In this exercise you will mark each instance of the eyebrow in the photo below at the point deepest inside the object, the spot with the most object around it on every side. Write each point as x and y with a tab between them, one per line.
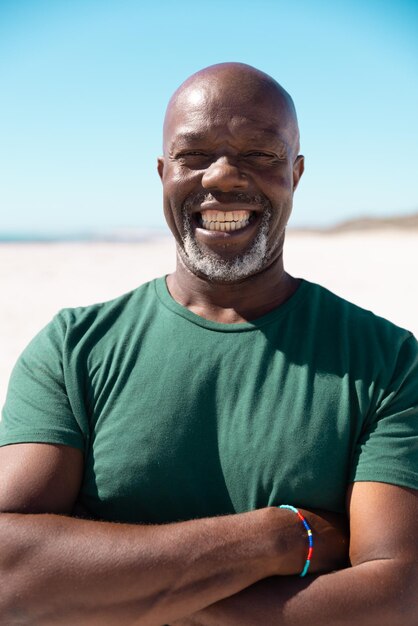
189	136
196	137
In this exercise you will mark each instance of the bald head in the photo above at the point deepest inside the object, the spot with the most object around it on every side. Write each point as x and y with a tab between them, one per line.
236	85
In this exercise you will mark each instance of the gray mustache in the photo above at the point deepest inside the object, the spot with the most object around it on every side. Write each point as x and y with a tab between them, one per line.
227	198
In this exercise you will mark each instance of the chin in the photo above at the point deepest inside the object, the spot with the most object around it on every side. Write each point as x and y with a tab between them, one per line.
215	268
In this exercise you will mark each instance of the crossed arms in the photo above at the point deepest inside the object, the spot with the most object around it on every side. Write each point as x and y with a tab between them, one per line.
59	570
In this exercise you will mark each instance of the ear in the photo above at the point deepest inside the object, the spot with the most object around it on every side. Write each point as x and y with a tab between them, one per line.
160	166
298	169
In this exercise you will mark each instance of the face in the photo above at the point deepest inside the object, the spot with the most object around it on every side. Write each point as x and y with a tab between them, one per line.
229	172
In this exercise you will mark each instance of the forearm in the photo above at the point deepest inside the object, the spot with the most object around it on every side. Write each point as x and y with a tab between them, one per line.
57	570
378	592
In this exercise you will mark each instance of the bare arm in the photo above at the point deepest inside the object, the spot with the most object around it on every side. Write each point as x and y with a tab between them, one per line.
379	588
57	570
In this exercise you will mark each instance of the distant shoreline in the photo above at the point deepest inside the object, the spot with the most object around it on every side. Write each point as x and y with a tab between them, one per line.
139	235
127	235
401	222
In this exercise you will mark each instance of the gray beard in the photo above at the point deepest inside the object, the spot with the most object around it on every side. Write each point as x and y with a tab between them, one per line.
218	269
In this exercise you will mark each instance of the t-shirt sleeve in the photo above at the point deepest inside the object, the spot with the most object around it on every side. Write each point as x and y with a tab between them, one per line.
387	450
37	408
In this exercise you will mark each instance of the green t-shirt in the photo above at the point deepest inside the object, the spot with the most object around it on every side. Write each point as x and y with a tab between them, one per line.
180	417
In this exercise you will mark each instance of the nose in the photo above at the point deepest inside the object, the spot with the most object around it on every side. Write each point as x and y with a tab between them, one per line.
224	175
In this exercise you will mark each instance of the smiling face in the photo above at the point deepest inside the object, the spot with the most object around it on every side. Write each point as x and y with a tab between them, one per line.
229	170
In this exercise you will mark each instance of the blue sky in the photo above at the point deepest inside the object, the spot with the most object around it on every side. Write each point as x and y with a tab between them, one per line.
84	85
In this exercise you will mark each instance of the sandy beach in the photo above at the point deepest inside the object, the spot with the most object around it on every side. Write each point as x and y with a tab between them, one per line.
374	269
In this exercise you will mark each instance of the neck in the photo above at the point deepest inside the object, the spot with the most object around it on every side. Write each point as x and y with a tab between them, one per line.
232	303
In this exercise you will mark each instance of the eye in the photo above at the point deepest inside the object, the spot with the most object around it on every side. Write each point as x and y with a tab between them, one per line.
260	159
191	153
193	159
259	154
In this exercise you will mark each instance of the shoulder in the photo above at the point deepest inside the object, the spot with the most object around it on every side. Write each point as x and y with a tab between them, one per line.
97	320
341	315
75	329
120	306
349	339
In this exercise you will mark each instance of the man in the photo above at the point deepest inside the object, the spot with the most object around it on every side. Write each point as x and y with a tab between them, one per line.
191	409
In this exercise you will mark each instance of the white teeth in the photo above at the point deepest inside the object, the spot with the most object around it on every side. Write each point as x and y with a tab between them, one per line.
210	215
225	226
225	221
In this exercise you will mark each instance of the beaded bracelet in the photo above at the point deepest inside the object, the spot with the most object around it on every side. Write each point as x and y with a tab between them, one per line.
310	537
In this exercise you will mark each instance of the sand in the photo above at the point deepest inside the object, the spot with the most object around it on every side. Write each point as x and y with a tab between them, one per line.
376	270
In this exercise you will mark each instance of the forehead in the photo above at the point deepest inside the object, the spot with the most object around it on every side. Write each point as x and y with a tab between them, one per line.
205	111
